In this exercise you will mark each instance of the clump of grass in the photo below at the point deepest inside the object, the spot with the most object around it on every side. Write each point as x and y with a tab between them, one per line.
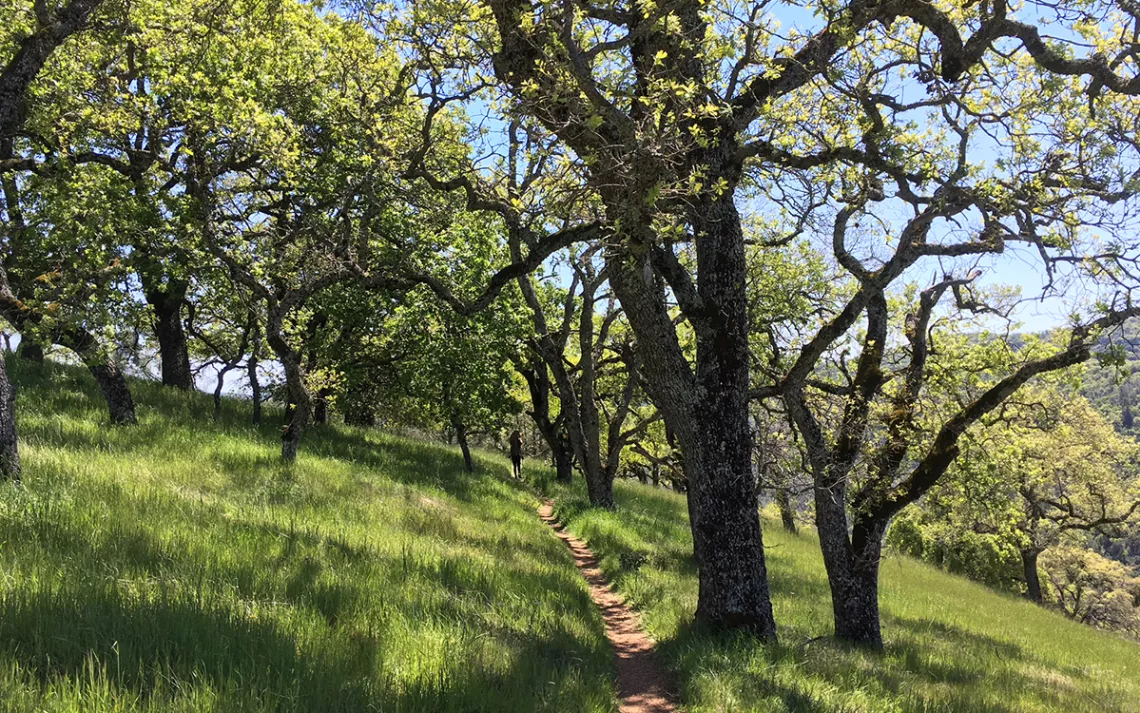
178	566
951	645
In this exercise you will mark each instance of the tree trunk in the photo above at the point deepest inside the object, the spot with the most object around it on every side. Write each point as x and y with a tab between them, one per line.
578	405
9	444
251	367
218	395
218	389
115	390
173	351
787	513
254	388
1032	577
321	408
852	563
295	429
538	383
30	351
855	593
587	428
299	408
708	412
601	490
718	453
461	438
563	458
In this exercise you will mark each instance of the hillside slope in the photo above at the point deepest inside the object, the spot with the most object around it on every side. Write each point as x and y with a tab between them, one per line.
177	566
951	645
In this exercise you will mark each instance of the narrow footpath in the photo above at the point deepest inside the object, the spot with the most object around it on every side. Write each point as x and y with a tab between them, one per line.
642	684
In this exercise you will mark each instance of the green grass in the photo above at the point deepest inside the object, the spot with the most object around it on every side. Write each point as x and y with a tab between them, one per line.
951	645
178	566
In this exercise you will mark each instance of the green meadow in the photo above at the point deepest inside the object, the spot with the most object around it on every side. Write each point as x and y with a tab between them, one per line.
179	566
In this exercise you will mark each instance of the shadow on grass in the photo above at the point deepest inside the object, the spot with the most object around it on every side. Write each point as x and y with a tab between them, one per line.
152	646
263	627
923	667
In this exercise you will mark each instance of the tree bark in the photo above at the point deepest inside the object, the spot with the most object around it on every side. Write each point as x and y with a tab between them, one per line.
298	419
787	513
219	386
1032	577
461	438
718	457
321	408
563	458
708	412
173	350
9	444
115	390
553	431
852	565
254	380
588	430
299	408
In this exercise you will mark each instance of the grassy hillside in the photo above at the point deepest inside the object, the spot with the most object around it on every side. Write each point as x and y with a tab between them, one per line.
951	645
177	566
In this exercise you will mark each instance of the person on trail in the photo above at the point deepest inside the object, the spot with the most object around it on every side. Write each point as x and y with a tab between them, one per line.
516	455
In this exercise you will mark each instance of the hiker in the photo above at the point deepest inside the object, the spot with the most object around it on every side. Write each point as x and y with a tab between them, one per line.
516	455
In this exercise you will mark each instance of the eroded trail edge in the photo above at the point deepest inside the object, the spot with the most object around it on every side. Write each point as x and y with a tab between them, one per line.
643	686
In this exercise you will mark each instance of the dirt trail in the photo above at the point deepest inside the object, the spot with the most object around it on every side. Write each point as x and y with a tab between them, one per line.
642	684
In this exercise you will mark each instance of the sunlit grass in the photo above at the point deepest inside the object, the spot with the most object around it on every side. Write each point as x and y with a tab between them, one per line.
951	645
178	566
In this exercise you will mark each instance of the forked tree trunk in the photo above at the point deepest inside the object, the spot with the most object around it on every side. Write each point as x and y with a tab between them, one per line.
173	350
9	444
1032	577
600	489
561	450
708	412
854	579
